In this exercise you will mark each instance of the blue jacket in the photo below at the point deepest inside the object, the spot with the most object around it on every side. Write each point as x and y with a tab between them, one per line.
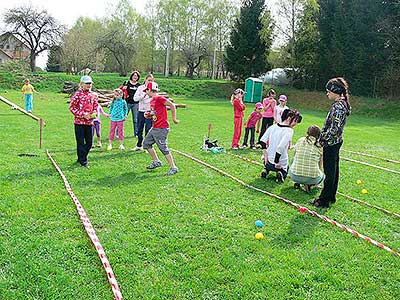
118	110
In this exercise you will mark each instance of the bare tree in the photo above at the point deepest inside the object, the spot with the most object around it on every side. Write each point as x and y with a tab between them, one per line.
37	29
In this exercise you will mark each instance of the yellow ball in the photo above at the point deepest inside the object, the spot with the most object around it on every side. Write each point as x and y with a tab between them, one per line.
259	236
358	181
364	191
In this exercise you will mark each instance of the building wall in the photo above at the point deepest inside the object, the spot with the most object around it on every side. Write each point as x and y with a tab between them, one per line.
14	47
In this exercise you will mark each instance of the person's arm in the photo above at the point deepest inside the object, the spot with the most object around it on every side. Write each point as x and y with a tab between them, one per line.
139	95
74	106
275	115
101	111
125	109
95	108
258	126
173	110
247	121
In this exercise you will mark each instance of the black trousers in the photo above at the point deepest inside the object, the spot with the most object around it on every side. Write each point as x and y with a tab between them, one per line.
331	170
252	132
266	122
84	140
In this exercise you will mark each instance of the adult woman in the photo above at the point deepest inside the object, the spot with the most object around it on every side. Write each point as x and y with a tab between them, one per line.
337	90
130	87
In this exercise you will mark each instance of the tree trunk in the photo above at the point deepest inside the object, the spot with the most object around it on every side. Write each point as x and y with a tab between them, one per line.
32	61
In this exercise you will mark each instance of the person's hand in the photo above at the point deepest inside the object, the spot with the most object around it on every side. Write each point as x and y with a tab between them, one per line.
176	121
87	116
278	166
257	131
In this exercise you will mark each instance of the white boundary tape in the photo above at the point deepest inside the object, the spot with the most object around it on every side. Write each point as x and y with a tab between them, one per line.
91	233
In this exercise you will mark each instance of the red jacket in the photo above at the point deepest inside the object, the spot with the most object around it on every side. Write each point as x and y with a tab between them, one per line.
83	102
238	108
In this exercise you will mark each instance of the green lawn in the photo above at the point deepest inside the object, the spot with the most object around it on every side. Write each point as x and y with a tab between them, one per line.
189	236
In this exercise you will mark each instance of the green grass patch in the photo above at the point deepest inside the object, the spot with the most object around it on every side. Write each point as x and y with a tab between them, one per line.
189	236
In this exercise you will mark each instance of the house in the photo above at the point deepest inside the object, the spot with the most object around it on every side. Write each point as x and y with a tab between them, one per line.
12	48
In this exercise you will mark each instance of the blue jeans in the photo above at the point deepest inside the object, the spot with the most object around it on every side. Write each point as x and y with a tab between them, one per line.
306	180
134	107
28	102
143	123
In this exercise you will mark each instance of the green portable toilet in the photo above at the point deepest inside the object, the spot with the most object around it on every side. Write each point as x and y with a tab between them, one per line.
253	88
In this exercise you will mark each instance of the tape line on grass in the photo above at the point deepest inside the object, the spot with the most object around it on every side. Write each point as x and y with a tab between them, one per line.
389	212
373	156
91	233
370	165
300	208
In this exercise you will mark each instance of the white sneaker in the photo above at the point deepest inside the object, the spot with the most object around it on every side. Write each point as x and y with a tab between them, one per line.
137	148
121	147
109	147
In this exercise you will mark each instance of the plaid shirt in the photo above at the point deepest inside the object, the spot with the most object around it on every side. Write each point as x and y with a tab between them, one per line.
307	157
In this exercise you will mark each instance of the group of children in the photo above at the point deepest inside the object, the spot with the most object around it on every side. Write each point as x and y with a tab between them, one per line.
319	148
153	115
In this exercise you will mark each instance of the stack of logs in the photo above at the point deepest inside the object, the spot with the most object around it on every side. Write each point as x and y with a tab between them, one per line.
104	97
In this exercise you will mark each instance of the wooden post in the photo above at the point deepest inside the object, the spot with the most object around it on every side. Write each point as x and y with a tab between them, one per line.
41	124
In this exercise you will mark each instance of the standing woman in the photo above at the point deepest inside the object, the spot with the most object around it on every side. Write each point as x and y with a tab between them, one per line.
269	104
130	87
337	90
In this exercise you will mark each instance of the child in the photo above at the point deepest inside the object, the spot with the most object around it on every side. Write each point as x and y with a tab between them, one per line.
280	108
278	138
307	162
118	114
159	132
97	125
337	90
250	125
269	104
27	92
238	113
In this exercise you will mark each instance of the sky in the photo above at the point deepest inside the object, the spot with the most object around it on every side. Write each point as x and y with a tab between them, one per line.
68	11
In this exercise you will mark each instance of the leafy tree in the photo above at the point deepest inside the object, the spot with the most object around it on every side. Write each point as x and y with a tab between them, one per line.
120	37
245	56
39	30
54	59
80	49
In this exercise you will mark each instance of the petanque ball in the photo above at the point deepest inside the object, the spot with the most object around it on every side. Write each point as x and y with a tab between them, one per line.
259	223
259	236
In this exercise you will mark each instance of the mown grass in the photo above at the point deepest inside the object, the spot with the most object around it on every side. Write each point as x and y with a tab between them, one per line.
189	236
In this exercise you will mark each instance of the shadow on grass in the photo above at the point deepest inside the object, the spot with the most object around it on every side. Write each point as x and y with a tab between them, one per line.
301	228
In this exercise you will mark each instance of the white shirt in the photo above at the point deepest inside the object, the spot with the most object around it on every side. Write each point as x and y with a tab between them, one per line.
278	113
142	98
278	137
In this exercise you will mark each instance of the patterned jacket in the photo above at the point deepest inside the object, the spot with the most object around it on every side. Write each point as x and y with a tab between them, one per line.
332	130
83	102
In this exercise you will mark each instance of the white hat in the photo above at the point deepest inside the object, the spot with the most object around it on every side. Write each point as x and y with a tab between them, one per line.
86	79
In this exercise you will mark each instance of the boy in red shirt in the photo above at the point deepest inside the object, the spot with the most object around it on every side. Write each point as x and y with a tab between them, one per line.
159	132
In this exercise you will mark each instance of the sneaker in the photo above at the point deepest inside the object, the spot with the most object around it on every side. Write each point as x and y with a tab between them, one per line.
235	148
253	147
154	164
279	177
121	147
244	146
172	171
319	204
307	188
109	147
99	145
296	186
264	174
137	148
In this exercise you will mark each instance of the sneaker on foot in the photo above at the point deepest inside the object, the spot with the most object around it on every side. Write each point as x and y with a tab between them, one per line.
99	145
235	148
253	147
109	147
279	177
121	147
296	186
137	148
244	146
154	164
172	171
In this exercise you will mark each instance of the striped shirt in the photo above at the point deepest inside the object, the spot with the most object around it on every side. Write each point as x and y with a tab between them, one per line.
307	157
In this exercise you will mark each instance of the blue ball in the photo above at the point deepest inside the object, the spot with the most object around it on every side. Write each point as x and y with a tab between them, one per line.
259	223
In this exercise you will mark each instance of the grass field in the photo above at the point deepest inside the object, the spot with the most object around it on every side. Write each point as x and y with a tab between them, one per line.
189	236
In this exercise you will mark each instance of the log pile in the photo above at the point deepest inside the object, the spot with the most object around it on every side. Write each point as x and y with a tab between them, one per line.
104	97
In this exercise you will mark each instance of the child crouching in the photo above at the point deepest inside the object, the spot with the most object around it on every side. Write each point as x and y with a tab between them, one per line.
278	138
